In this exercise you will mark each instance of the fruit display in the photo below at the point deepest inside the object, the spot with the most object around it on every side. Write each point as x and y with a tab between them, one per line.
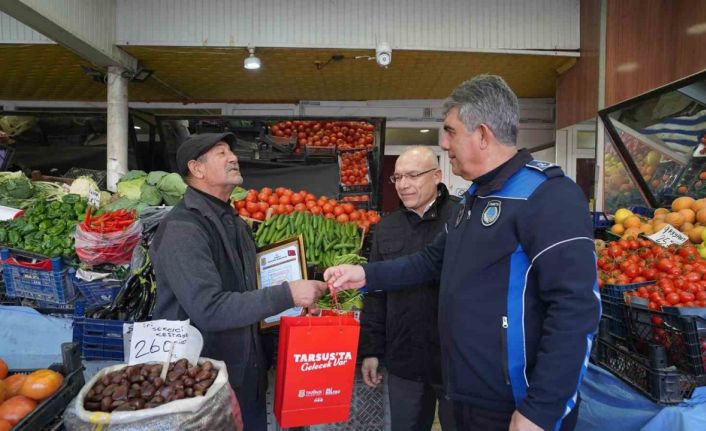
255	204
20	394
324	239
686	214
353	168
343	135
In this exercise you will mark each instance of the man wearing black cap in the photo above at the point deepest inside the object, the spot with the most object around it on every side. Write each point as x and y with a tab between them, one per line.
204	260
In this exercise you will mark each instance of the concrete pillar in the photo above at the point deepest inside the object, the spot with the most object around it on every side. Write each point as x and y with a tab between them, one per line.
117	126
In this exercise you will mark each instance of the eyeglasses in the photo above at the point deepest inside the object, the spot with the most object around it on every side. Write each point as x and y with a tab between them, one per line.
399	177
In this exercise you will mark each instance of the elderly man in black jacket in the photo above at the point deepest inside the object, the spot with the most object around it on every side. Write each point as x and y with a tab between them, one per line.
401	326
204	259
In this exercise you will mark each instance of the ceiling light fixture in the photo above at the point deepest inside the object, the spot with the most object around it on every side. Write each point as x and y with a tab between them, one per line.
252	62
138	127
424	131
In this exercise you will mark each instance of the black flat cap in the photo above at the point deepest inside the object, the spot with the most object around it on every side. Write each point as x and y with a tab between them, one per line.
197	145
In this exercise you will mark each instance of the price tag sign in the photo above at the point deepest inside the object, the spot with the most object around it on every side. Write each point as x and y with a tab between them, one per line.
667	236
152	341
94	197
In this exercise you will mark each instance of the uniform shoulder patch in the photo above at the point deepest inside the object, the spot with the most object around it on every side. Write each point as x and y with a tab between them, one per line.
547	168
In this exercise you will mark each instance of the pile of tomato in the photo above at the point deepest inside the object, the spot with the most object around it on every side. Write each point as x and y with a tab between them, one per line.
339	134
353	168
679	272
20	394
285	201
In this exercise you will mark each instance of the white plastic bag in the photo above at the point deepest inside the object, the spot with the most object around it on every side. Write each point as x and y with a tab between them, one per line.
212	412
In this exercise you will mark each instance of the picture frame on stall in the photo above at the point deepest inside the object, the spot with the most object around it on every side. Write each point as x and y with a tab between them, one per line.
278	262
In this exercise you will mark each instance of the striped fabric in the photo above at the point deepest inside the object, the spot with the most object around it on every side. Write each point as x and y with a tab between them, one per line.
679	133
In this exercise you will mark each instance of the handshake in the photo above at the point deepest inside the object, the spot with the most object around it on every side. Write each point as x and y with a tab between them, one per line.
305	293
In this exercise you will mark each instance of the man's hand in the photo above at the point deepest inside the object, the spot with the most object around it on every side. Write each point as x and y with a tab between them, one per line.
369	369
521	423
344	277
306	292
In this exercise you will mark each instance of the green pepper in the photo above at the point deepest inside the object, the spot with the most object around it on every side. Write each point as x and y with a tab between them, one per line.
44	225
71	198
67	252
3	235
14	237
28	228
55	205
56	230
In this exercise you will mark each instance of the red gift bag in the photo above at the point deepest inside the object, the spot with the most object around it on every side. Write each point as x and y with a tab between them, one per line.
315	368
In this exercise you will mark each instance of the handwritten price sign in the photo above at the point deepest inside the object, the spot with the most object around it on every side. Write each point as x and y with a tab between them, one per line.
153	341
667	236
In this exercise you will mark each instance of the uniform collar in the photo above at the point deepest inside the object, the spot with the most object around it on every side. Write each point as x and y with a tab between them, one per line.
495	179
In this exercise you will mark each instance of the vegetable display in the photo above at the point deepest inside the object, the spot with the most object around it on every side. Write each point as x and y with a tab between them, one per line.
255	204
139	189
140	386
21	393
354	168
339	134
46	228
324	239
348	300
108	238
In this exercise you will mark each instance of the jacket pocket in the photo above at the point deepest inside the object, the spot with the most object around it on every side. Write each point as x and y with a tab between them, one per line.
503	341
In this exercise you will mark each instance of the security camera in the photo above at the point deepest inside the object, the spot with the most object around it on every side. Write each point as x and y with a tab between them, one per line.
383	54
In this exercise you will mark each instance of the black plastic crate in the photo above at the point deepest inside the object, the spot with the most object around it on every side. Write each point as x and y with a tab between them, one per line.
662	385
53	407
613	304
683	336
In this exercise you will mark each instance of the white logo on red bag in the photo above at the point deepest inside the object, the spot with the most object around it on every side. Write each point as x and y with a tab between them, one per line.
318	361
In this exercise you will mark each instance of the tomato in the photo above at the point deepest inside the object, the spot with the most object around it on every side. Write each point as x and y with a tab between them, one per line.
338	210
657	321
16	408
639	279
686	296
700	295
616	251
688	251
310	197
41	384
342	218
243	212
665	265
279	191
3	369
240	204
13	384
297	199
327	208
252	207
259	216
329	216
655	296
310	204
316	210
673	298
649	273
300	207
273	200
263	206
348	208
631	270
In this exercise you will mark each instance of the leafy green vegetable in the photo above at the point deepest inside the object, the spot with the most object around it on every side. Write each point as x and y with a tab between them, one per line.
82	185
154	177
15	185
131	188
134	174
348	300
238	194
150	195
172	187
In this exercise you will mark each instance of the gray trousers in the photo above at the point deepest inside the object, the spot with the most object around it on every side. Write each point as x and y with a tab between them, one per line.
413	405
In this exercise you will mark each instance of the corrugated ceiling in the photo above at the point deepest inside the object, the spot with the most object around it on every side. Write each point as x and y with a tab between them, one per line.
50	72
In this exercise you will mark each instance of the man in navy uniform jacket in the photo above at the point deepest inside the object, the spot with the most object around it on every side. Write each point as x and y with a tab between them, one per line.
518	303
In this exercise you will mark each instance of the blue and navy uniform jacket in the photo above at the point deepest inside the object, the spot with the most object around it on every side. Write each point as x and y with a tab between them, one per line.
518	303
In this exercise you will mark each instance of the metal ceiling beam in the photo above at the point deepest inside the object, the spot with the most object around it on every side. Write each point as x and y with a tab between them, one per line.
46	18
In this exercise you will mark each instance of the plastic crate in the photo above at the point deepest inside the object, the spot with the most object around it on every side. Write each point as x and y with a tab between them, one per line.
613	304
313	151
643	211
26	280
662	385
97	292
99	339
600	220
681	335
51	408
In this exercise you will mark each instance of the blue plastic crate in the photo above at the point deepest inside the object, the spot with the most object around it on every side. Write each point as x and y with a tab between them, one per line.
613	304
51	285
99	339
643	211
97	292
600	220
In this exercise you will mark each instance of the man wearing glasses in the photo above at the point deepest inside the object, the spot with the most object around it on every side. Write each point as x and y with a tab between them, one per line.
519	303
401	326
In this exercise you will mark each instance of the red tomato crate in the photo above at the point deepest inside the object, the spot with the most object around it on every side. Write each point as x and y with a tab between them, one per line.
683	336
41	279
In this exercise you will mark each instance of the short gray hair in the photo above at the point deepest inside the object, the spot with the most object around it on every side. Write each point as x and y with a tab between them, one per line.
489	100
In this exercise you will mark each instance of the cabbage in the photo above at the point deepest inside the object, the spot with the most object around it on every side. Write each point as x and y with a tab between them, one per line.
238	194
154	177
105	198
150	195
131	175
82	185
131	188
15	185
173	184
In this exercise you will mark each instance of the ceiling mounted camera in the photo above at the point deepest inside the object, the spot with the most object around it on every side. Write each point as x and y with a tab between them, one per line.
383	54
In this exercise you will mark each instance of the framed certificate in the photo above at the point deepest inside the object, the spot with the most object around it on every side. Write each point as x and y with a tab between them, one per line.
277	263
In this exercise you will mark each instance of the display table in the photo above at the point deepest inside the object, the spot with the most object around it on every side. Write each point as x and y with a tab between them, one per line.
607	403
